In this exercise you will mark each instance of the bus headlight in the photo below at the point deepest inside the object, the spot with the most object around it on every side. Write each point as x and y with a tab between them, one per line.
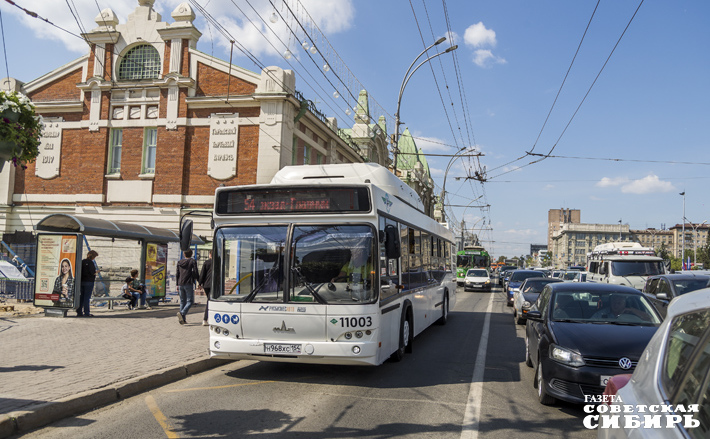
217	345
217	330
356	350
348	336
225	332
358	334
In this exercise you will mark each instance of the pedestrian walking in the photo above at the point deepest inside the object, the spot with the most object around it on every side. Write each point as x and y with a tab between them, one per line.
88	276
205	281
186	278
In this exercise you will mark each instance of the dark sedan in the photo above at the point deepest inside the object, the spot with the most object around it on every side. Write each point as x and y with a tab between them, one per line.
578	335
528	293
661	289
516	279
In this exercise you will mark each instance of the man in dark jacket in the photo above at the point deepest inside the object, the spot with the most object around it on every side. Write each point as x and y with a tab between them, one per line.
88	277
205	282
186	277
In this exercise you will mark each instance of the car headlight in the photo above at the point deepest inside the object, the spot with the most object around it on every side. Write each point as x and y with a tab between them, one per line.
565	356
488	281
526	304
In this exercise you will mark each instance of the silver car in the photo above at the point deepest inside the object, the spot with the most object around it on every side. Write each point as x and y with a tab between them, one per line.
673	371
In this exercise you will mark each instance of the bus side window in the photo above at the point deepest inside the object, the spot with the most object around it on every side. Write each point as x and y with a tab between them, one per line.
404	270
389	273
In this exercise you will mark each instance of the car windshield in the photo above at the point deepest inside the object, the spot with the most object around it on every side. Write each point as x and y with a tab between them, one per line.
608	307
328	264
686	286
520	276
636	268
533	287
570	275
477	273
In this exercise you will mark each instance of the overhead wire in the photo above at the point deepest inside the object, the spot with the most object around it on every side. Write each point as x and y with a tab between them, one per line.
544	156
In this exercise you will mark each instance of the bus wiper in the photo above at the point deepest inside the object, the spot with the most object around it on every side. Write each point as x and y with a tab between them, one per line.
302	278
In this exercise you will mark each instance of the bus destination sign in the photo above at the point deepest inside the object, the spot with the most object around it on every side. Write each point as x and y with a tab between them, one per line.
292	200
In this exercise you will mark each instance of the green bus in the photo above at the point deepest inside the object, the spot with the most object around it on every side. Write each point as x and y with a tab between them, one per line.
470	257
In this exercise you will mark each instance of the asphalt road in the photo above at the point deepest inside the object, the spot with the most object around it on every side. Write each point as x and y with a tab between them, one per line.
434	392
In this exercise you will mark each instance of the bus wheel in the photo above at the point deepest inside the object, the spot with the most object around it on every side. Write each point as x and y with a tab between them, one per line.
444	310
405	342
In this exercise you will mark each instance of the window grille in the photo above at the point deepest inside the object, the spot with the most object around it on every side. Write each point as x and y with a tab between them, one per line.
141	62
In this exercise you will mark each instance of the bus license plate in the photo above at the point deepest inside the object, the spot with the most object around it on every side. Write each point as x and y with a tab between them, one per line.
282	348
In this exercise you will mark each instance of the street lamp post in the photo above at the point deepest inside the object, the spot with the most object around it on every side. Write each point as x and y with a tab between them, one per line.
446	174
408	75
682	251
695	238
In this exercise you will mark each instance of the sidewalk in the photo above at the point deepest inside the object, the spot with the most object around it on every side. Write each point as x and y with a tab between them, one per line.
52	368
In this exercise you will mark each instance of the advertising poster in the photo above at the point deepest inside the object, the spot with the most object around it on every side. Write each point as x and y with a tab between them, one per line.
155	269
55	284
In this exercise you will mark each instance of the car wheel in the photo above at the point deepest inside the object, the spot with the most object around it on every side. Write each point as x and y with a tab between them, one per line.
444	311
542	395
528	360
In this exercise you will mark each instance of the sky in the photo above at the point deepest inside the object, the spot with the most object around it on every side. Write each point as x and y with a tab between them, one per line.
601	106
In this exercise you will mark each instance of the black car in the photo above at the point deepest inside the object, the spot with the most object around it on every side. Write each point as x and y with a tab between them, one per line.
527	295
578	335
661	289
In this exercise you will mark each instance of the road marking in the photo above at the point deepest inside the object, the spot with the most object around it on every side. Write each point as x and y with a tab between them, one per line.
160	417
218	387
472	415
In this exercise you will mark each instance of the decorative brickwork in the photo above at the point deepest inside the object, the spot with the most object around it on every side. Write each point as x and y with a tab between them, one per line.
63	89
212	82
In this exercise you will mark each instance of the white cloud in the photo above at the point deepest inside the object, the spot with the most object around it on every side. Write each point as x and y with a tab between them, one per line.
548	187
485	58
477	35
331	17
611	182
648	185
451	38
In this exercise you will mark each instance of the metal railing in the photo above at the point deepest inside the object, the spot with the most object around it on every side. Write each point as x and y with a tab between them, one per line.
17	289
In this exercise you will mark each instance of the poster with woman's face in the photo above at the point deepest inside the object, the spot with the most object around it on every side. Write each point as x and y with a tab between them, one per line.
55	284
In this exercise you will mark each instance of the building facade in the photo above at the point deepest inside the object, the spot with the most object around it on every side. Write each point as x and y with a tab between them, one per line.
655	239
696	236
144	127
573	241
556	218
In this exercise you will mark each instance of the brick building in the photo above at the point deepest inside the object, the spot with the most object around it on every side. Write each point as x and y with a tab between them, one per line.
144	127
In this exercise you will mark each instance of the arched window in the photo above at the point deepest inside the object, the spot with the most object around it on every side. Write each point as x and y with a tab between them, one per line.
141	62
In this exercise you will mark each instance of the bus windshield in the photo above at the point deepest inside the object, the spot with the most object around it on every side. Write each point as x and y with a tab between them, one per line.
636	268
327	264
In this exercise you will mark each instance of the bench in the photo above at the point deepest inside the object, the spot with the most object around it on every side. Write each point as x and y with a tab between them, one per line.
109	299
150	301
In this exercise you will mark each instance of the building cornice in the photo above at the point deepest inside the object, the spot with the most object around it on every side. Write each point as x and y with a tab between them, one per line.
59	107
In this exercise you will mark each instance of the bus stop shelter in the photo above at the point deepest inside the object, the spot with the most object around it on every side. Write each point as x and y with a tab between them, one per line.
62	242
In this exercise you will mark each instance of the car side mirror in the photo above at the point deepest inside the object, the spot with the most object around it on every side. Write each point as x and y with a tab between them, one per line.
535	316
662	296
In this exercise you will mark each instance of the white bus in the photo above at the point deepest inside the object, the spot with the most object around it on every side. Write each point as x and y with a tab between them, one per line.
329	264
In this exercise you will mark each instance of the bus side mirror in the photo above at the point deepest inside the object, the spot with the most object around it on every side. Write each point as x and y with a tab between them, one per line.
185	234
393	249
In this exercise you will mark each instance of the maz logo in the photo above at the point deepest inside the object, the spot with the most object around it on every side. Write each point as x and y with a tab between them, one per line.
283	328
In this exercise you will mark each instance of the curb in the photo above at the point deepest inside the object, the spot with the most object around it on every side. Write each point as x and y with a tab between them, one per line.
49	412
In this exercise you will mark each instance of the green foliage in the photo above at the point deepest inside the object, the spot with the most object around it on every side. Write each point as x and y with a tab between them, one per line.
19	124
